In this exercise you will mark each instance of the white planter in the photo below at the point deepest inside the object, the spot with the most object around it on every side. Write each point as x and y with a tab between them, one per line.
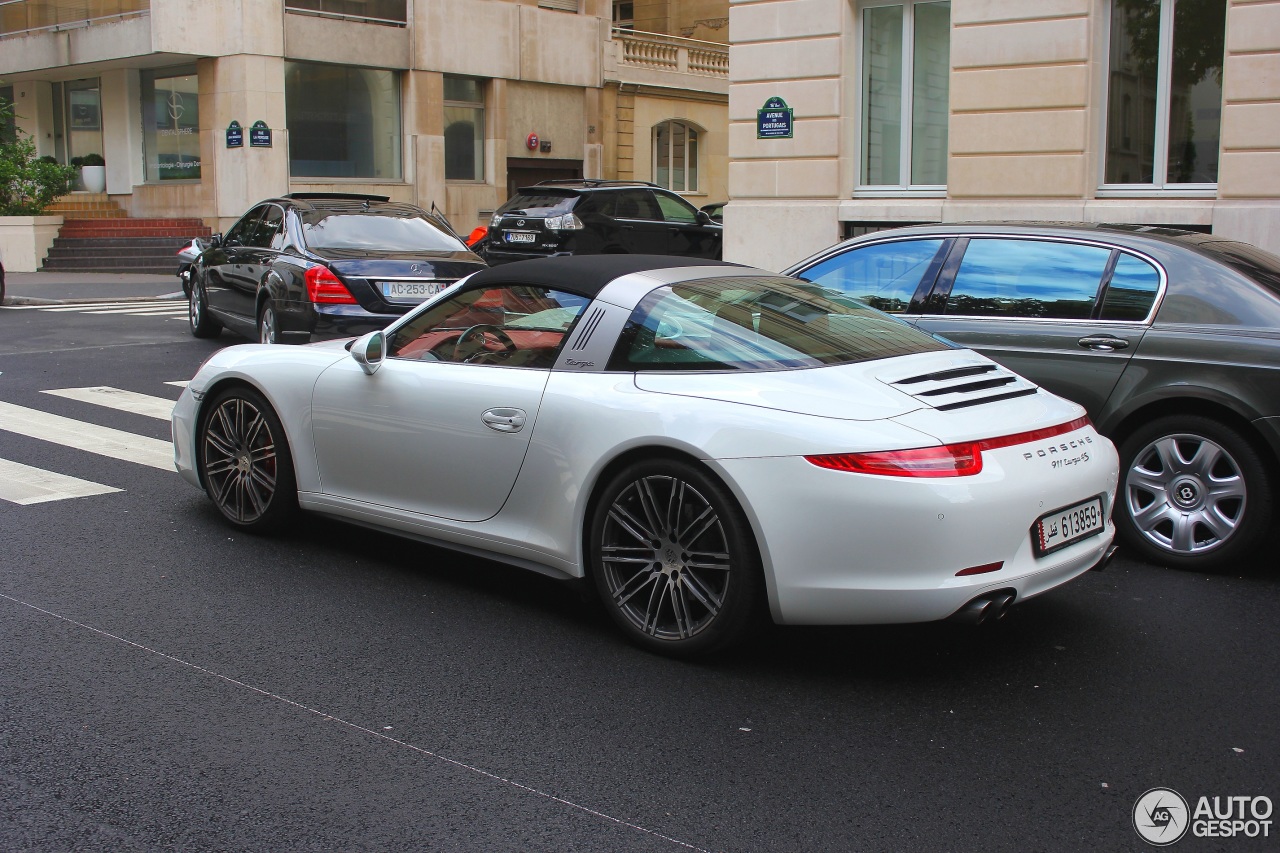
25	240
95	178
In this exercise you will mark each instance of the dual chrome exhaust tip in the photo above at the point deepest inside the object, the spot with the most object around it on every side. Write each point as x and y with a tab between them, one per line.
992	606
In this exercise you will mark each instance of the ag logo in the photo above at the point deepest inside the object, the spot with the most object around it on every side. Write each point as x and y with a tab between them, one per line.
1161	817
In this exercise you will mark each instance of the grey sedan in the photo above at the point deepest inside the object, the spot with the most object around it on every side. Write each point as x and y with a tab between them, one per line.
1170	339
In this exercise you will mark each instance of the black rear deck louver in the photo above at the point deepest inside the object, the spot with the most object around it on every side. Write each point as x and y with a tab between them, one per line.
959	387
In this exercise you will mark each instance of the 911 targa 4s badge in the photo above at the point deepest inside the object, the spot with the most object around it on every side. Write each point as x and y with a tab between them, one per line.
706	443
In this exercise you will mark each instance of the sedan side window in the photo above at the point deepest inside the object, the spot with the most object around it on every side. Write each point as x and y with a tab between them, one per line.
241	234
1028	278
882	275
511	326
1131	291
269	232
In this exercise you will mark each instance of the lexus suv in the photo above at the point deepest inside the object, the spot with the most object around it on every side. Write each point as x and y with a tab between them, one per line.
588	217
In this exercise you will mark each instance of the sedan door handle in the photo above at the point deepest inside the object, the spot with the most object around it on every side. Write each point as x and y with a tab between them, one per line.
1103	343
504	419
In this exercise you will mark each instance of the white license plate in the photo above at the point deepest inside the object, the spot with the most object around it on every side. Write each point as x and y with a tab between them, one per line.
521	237
406	291
1070	524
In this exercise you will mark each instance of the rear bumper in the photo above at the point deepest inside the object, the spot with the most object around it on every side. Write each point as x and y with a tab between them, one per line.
328	322
843	548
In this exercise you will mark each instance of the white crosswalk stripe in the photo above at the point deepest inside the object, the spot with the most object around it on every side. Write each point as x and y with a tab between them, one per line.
22	484
104	441
115	398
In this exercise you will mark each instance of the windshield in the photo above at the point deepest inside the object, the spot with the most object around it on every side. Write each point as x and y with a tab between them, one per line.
376	233
759	323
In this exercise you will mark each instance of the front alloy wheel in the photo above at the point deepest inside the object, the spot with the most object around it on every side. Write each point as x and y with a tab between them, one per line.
202	325
673	559
1195	493
268	325
244	460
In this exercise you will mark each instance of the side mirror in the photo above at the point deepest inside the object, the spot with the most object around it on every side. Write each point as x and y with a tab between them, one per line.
367	351
704	218
215	241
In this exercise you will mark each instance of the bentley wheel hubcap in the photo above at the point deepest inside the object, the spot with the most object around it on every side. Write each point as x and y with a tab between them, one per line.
1185	493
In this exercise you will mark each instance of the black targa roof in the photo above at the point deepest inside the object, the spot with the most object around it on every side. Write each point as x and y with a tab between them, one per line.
584	275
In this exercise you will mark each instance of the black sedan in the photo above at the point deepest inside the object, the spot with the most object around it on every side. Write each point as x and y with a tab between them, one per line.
316	266
1170	340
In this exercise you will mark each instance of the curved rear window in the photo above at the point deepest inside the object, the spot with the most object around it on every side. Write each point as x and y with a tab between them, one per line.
759	323
1258	264
540	203
374	232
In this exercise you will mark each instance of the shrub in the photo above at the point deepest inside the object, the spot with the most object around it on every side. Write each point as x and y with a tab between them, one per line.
28	184
93	160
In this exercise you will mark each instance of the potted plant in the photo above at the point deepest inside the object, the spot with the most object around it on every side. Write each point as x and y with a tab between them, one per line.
28	185
94	173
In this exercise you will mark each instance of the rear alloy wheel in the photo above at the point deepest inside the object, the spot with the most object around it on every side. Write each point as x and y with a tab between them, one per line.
674	560
244	460
202	325
1195	494
268	325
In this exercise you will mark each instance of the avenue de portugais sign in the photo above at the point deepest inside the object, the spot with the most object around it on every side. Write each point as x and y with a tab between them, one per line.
773	120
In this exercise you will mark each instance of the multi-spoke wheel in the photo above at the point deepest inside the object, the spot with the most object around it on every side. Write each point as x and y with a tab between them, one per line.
202	325
244	460
673	558
1195	493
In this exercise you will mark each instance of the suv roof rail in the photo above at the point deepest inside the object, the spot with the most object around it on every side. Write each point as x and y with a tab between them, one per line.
596	182
336	197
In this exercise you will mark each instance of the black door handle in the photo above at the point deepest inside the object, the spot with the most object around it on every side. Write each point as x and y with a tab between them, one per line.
1103	343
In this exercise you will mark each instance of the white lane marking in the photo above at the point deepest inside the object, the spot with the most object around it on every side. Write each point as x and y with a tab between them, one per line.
183	383
382	736
102	307
22	484
117	444
141	311
119	399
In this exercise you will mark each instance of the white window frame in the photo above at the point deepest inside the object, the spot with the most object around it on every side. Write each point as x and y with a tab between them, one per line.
1160	154
904	187
653	159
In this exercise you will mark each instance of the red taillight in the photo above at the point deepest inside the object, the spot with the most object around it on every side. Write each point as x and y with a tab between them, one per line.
324	286
477	234
949	460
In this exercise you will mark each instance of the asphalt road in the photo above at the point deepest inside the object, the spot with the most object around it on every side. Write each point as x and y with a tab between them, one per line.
168	683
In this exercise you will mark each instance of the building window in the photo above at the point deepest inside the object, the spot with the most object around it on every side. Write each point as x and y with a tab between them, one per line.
906	69
624	14
171	124
463	129
344	122
1164	117
675	156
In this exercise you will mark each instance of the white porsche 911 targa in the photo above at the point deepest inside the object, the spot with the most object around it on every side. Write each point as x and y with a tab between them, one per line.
705	442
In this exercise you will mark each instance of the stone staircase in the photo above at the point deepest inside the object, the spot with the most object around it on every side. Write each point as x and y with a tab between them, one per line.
97	236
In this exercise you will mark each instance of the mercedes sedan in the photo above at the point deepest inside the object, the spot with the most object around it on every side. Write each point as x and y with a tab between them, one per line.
704	443
316	266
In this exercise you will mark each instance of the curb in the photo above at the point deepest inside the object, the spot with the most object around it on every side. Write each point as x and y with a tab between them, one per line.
91	300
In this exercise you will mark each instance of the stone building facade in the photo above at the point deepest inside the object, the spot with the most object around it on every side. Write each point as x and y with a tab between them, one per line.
1159	112
445	102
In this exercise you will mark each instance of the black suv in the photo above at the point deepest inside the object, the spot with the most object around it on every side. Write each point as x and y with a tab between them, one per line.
313	266
586	217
